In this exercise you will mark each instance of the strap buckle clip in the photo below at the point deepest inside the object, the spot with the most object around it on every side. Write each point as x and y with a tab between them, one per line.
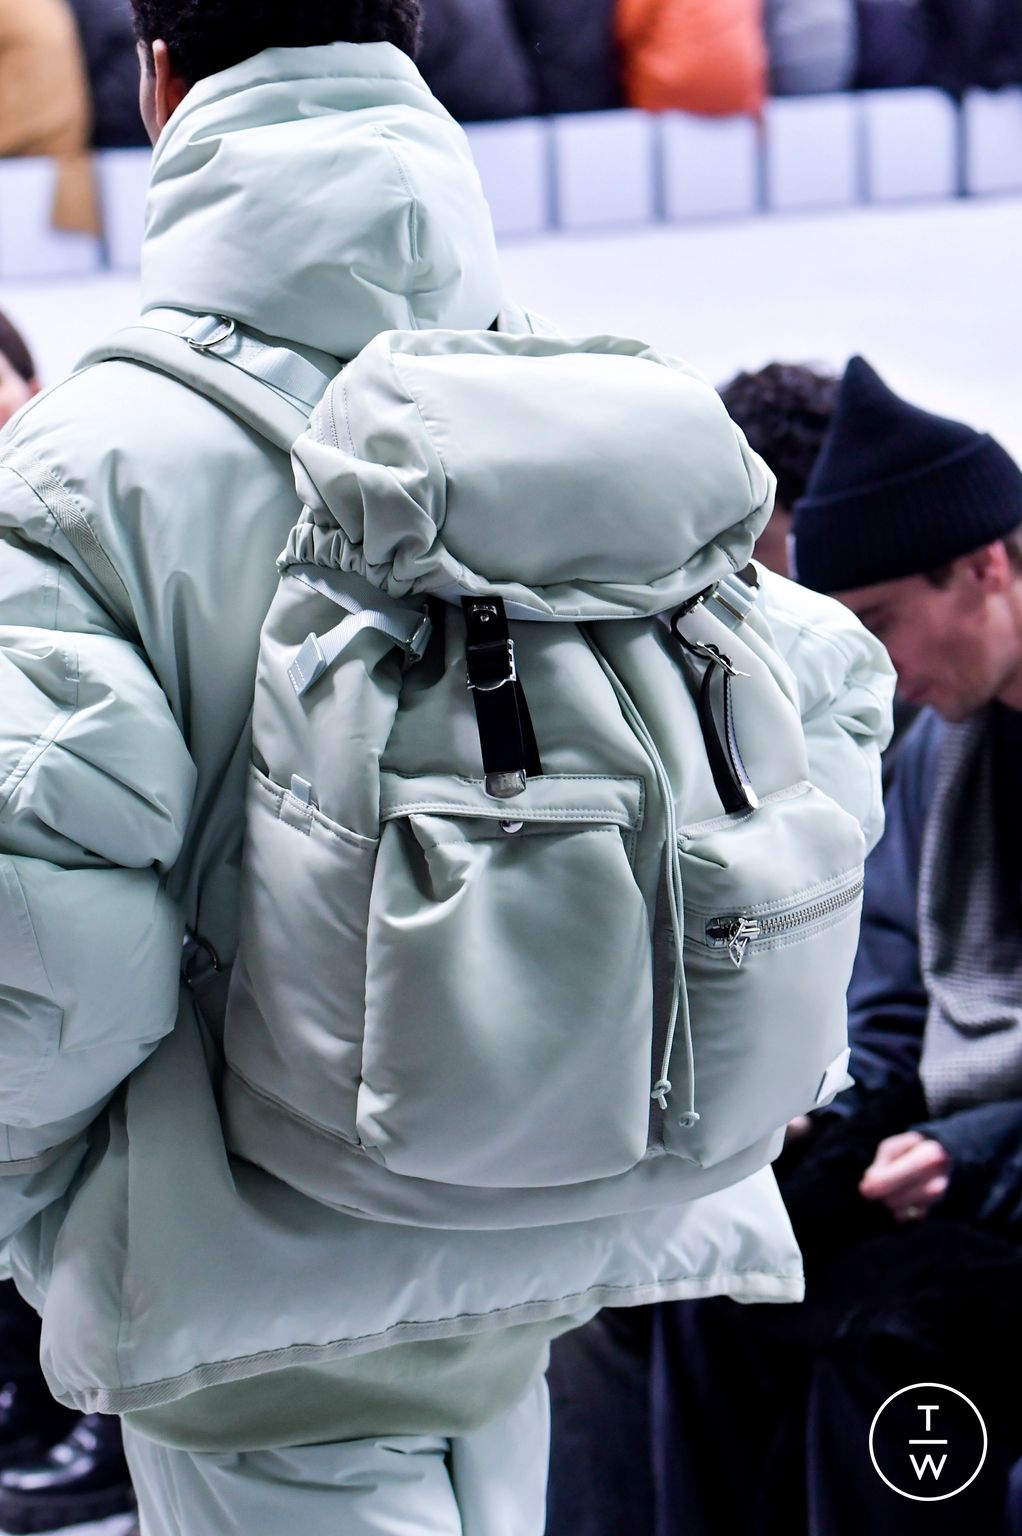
491	665
419	642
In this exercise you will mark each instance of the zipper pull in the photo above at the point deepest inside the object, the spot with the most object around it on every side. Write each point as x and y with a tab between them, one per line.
736	932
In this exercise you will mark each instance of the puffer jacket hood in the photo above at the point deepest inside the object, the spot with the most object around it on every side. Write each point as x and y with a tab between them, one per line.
350	180
636	493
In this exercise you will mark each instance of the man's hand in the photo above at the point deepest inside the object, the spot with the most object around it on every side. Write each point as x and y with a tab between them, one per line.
909	1173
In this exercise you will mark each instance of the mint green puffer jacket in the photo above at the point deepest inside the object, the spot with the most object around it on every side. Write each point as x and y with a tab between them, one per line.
319	196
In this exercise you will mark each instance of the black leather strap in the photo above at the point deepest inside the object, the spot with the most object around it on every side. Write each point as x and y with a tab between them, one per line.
506	736
730	776
717	723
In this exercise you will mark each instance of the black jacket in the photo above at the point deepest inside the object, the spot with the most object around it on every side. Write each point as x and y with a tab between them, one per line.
571	46
489	59
474	60
108	41
954	44
887	1015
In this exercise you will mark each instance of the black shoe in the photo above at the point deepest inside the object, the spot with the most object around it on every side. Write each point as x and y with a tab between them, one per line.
84	1477
30	1421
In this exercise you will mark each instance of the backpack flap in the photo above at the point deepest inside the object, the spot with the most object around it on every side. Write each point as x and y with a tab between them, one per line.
591	479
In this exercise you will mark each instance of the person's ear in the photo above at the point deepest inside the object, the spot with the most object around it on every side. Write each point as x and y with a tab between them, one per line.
990	567
161	89
170	88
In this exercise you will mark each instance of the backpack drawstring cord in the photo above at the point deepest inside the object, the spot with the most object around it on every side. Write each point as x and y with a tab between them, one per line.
662	1088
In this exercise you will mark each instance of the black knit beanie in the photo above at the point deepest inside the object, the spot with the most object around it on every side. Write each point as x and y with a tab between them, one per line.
897	492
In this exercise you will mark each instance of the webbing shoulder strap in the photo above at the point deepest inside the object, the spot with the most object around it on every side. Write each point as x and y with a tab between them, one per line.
300	375
270	388
267	387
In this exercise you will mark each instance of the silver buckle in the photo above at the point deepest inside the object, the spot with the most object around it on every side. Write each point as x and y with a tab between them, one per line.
512	672
420	640
505	786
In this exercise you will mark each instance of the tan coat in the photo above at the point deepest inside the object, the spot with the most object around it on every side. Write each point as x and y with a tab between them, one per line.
44	102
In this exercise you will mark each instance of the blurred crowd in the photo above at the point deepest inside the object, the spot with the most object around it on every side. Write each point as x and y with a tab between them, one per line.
508	58
69	74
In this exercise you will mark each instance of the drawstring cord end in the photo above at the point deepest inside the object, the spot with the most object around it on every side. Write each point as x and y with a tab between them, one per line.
688	1119
660	1092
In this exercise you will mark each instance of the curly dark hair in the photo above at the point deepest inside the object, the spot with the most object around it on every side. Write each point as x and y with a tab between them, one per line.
784	410
206	36
15	349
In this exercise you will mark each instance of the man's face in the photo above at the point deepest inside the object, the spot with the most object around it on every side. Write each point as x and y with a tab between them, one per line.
954	646
772	545
14	391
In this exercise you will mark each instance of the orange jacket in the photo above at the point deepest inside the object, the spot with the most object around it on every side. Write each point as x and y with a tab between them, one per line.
706	56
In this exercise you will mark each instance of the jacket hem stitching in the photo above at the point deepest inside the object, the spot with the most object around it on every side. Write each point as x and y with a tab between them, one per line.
169	1389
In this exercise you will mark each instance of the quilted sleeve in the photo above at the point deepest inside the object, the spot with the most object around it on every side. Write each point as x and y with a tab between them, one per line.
96	785
845	685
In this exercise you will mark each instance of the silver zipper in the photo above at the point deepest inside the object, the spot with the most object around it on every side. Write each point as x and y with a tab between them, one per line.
738	930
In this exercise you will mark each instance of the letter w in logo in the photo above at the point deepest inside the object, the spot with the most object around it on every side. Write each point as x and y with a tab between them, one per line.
927	1461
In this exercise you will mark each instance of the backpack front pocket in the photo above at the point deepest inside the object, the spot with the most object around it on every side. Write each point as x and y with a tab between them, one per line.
509	986
294	1023
772	905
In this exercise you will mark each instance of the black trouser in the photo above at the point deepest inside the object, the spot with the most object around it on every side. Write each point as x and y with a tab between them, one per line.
601	1475
19	1336
761	1414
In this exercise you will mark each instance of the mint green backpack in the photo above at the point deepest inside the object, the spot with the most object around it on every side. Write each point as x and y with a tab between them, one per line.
542	916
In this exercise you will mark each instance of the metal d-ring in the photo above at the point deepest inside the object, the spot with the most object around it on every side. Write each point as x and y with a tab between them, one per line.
224	332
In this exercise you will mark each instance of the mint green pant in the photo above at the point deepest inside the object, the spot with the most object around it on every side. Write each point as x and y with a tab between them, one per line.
490	1483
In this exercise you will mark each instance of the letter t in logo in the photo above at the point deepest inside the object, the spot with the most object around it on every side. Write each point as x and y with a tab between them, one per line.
920	1466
